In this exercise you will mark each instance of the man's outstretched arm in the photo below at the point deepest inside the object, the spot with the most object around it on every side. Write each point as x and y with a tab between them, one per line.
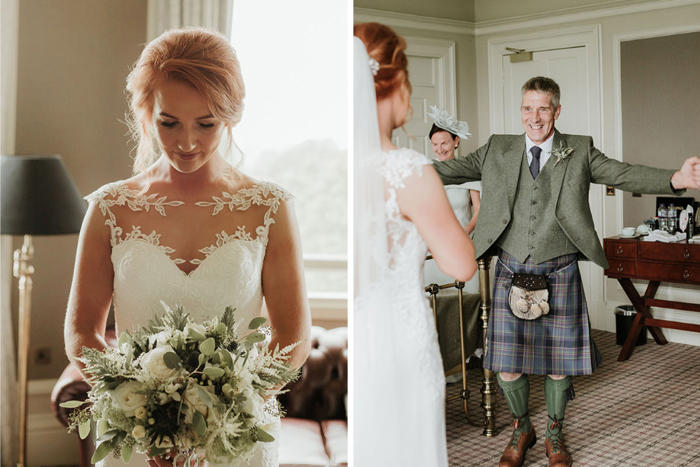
688	176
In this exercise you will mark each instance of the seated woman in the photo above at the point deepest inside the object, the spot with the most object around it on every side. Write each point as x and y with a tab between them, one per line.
464	199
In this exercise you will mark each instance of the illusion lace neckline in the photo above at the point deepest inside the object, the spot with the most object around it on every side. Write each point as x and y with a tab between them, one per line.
118	194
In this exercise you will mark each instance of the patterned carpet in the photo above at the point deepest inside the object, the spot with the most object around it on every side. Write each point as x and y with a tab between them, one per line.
642	412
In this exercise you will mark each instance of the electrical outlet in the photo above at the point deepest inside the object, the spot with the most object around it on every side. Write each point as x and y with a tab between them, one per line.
42	356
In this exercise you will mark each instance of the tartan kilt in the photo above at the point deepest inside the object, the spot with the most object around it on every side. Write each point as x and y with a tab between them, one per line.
558	343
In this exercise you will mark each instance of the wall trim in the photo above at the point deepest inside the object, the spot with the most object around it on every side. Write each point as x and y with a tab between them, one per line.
570	15
41	387
404	20
481	28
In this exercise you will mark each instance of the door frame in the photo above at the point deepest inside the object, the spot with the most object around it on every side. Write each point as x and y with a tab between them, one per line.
444	52
589	37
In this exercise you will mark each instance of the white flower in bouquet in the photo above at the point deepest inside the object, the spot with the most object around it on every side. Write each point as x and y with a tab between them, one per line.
141	413
128	398
172	387
164	442
194	402
161	338
155	366
138	432
195	330
254	402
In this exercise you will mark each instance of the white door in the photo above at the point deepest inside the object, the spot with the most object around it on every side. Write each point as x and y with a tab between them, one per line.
565	66
569	68
431	71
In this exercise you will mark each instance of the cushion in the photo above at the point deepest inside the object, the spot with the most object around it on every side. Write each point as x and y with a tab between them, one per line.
301	444
336	433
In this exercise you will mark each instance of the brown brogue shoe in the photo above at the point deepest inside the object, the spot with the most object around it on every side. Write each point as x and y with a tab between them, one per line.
557	453
514	454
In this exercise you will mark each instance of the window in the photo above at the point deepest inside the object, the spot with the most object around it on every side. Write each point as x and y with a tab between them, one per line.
294	126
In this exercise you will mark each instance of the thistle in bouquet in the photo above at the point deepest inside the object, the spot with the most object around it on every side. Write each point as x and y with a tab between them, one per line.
185	390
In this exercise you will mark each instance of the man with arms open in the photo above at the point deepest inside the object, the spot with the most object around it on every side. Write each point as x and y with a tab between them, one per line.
536	218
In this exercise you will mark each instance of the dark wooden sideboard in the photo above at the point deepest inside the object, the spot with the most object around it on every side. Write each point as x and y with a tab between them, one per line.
656	262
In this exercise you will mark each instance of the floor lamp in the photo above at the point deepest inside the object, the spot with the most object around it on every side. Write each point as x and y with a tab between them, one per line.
38	198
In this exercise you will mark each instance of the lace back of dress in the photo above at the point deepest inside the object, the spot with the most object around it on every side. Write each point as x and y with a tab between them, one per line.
397	166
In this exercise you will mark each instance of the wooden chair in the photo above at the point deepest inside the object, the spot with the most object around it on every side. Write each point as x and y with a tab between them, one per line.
483	305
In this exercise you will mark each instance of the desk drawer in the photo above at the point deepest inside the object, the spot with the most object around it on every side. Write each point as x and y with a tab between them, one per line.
626	249
620	267
669	272
678	252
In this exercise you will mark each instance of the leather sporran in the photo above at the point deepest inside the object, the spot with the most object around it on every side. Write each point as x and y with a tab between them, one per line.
529	296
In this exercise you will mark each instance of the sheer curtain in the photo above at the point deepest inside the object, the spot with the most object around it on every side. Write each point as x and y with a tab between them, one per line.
8	375
167	14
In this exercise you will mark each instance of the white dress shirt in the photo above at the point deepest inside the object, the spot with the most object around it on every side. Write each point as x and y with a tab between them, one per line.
546	150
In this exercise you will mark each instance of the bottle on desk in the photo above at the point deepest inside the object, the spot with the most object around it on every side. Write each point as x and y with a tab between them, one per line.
690	230
672	218
661	214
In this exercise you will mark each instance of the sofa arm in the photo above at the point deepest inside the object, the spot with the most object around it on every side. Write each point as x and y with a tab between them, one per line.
69	387
320	392
72	387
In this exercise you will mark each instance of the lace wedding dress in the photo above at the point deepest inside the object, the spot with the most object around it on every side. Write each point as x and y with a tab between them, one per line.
400	385
227	274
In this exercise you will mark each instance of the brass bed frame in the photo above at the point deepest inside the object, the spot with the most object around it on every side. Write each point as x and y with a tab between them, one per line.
488	386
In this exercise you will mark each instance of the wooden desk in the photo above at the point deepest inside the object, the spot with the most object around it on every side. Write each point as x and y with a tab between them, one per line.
656	262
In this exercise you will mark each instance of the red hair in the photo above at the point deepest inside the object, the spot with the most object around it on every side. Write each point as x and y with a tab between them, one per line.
201	57
388	49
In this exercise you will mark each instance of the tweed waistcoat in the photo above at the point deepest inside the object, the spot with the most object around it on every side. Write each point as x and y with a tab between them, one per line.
534	230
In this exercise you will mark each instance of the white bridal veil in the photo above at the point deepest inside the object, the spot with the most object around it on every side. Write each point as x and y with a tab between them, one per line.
376	390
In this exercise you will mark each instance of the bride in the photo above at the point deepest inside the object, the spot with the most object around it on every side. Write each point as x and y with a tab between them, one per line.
400	206
188	228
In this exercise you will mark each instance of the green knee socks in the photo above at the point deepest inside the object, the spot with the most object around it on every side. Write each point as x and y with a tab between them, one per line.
517	394
557	393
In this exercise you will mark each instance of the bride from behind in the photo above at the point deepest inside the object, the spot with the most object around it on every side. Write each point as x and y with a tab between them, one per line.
188	228
401	211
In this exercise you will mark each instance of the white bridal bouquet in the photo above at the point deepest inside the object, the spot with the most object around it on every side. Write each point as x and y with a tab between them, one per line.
183	389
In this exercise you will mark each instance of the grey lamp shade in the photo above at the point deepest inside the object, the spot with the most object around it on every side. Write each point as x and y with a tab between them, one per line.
39	197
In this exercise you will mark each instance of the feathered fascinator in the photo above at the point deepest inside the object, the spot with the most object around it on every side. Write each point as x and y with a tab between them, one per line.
447	122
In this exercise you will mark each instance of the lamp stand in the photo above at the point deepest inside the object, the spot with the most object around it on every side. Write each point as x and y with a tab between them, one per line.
23	271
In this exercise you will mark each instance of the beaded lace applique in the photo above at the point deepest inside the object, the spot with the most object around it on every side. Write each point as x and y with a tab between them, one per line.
117	194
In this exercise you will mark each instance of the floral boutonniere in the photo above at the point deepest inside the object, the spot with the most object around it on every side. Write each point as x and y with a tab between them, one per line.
561	153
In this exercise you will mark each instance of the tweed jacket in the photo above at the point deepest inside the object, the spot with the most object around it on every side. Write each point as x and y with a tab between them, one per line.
497	164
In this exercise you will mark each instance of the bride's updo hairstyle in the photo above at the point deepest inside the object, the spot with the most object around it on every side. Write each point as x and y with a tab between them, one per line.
387	48
201	57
